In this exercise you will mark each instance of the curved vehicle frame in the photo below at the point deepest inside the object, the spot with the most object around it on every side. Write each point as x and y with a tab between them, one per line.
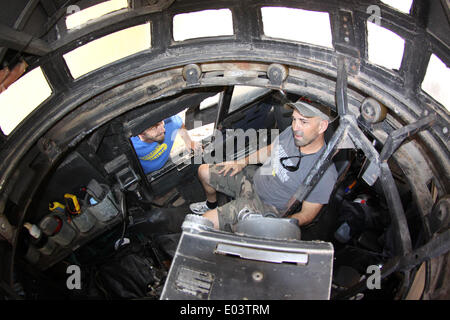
410	144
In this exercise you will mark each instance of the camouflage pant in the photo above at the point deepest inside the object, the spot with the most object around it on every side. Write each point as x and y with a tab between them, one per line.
239	187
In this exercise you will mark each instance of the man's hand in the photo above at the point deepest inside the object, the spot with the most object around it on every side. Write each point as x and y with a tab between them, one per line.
196	147
192	145
234	166
308	213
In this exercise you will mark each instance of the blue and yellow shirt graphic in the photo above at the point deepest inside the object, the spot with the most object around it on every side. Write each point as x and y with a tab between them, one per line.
153	156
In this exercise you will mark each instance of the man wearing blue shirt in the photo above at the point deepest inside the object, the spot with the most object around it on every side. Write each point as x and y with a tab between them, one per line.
154	144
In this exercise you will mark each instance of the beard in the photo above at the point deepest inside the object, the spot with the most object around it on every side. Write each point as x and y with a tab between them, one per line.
160	138
151	138
302	141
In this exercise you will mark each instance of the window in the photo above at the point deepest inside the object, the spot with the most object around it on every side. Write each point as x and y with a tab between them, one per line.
108	49
297	25
210	102
21	98
173	149
244	95
385	48
206	23
401	5
78	18
436	81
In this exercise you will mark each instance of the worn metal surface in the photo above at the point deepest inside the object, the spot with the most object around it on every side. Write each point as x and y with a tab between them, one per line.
77	108
214	265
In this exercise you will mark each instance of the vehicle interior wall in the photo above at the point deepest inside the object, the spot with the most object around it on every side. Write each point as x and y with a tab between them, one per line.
154	223
81	133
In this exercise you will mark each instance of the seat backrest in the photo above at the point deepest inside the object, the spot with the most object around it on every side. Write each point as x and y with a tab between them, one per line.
282	117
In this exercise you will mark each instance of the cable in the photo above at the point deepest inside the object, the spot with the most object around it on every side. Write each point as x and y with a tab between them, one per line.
123	208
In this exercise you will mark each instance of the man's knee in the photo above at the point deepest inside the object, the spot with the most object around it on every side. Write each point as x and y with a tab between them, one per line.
203	172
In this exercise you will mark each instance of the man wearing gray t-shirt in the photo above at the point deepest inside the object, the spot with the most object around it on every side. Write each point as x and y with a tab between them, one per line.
271	187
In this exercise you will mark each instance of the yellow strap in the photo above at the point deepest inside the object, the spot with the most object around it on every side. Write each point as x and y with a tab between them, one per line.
74	200
55	205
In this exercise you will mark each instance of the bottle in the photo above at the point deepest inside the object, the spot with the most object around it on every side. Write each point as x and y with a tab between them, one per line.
55	226
39	240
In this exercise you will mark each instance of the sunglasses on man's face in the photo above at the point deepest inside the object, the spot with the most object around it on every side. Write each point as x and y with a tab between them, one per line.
291	168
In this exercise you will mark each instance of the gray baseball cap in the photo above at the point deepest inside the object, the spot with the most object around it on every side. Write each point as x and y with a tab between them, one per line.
309	110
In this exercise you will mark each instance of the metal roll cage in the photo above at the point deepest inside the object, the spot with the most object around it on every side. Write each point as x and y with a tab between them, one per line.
76	108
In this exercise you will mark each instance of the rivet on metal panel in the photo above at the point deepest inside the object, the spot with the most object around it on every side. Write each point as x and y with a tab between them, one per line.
277	73
192	73
257	276
372	111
